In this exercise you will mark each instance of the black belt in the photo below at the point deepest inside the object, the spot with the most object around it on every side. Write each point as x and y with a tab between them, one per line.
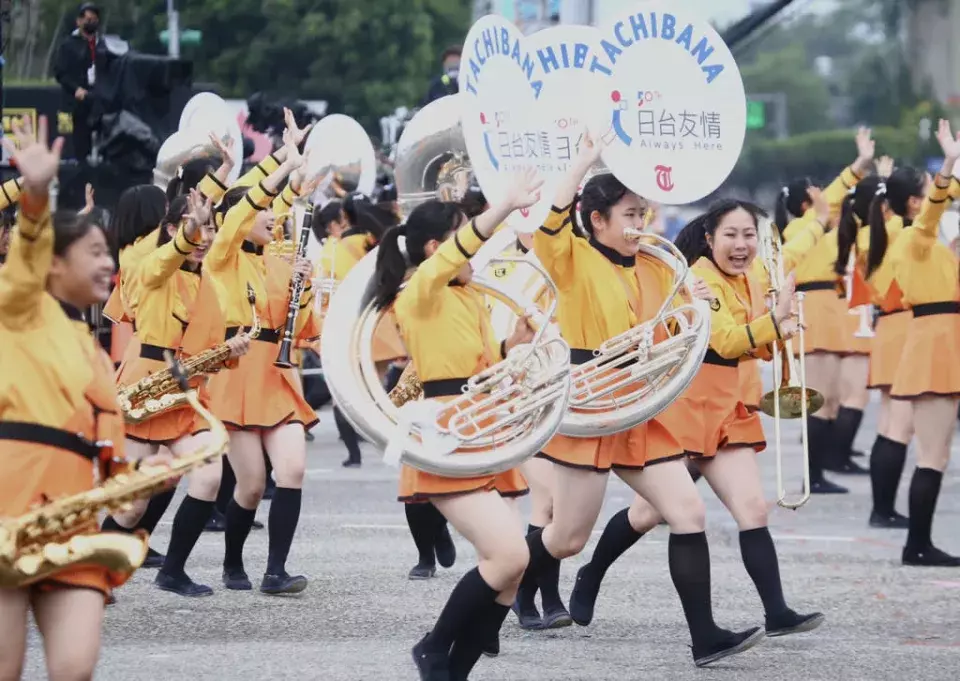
817	286
581	356
884	313
265	335
53	437
155	352
444	387
927	309
712	357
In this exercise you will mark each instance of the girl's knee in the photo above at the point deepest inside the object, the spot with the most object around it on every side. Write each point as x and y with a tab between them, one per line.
752	513
291	473
249	493
642	516
71	666
571	543
511	560
687	516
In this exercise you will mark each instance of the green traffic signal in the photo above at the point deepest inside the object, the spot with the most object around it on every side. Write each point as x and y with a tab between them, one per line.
187	37
756	115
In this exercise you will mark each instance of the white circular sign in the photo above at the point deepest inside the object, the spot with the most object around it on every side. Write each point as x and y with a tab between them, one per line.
671	104
337	143
500	80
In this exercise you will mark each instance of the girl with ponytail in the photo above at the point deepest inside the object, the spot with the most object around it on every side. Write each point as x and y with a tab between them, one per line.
925	272
716	419
446	327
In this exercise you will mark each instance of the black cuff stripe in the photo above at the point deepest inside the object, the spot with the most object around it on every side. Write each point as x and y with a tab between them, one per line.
937	200
473	225
753	343
177	248
561	210
4	188
503	349
269	193
776	327
456	240
251	202
217	181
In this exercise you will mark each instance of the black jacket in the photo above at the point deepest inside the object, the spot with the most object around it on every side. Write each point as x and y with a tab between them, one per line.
441	86
73	59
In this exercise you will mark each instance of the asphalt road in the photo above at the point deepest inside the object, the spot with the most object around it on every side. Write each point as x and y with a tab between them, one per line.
360	615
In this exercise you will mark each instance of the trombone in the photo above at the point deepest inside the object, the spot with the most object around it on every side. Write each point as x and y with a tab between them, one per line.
790	397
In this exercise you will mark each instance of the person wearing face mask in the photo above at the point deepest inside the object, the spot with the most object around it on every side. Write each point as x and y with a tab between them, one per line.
81	59
261	404
714	423
606	288
446	83
52	430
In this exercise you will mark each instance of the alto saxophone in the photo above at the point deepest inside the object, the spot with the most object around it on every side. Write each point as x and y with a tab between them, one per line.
158	393
54	536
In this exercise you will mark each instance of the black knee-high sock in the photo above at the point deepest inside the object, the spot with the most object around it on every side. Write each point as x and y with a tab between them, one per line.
820	432
228	483
155	509
887	459
422	524
469	597
689	557
924	491
845	432
268	468
347	434
239	522
111	525
760	558
282	525
617	537
392	378
543	567
468	649
188	525
527	593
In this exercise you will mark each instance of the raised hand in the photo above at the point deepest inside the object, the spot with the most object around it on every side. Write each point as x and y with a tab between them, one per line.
291	123
524	189
224	148
38	163
590	150
885	167
948	143
89	205
866	146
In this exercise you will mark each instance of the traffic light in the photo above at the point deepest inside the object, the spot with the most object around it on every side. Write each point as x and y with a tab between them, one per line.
187	37
756	114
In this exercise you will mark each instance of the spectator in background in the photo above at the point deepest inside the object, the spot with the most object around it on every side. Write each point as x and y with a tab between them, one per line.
81	56
447	83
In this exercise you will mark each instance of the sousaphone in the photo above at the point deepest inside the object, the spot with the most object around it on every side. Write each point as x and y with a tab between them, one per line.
341	151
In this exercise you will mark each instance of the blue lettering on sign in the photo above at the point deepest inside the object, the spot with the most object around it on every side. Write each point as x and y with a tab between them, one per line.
498	41
643	26
569	56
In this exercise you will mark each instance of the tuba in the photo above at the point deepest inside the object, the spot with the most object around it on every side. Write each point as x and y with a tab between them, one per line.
508	411
205	113
47	539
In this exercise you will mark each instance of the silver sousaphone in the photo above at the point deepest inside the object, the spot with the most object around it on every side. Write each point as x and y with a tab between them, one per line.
508	411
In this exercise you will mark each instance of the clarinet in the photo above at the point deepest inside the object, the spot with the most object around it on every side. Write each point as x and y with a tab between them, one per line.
297	283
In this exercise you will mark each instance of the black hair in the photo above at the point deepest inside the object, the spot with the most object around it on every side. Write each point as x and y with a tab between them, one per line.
430	221
69	227
473	202
856	206
452	51
139	211
189	175
231	198
790	202
323	217
88	7
692	239
601	193
178	208
385	214
357	210
896	192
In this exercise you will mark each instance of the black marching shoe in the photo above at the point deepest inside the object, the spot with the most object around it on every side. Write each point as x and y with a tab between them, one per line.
894	521
846	467
824	486
790	622
181	585
154	559
928	557
432	666
527	615
726	644
274	585
257	525
351	463
217	522
445	549
420	571
492	648
583	599
268	490
855	453
236	579
555	618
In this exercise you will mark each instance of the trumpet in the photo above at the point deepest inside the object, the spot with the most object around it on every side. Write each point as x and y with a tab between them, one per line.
790	397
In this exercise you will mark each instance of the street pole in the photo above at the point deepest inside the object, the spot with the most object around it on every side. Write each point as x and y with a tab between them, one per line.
173	31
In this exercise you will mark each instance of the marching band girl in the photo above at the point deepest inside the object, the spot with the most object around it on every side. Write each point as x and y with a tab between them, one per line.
925	271
716	429
605	291
58	406
826	341
261	404
446	327
178	310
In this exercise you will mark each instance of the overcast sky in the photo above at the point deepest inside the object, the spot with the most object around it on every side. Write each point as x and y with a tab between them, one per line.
722	11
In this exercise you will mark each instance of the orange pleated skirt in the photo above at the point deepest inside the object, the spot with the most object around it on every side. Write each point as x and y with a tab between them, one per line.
887	348
711	414
121	338
825	314
928	366
418	486
168	426
257	395
634	449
